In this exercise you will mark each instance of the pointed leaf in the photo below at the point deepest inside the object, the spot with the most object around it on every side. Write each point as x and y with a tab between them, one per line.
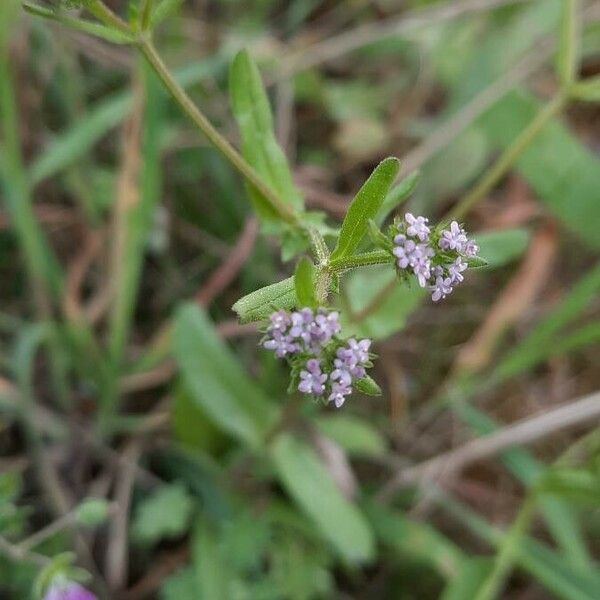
367	385
398	194
217	381
258	305
309	483
260	148
365	206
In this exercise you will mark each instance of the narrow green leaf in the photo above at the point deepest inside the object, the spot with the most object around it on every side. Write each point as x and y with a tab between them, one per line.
367	385
365	207
471	575
164	10
477	262
260	148
213	579
217	381
95	29
258	305
398	195
541	342
415	540
304	283
567	59
308	482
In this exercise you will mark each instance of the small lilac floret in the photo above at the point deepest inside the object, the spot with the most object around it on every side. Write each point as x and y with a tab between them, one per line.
456	269
312	380
280	321
417	227
339	391
454	238
68	591
281	344
441	288
471	249
323	328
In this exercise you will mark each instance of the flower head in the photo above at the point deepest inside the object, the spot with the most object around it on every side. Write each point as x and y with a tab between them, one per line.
454	238
417	227
68	590
441	288
312	380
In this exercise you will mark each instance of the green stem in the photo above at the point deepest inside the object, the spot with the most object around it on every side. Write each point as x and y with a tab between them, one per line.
491	177
508	551
107	16
230	153
376	257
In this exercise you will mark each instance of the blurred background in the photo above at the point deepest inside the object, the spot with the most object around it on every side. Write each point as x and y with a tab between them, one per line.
125	238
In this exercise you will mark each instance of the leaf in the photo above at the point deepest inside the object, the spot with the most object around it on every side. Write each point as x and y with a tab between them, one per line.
304	283
89	27
217	381
308	482
564	174
498	248
163	10
212	575
542	341
191	425
415	540
260	148
164	514
354	435
258	305
398	195
578	485
471	575
367	385
365	206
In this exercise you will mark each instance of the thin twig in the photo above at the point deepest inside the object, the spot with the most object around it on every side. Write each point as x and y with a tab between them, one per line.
116	547
585	410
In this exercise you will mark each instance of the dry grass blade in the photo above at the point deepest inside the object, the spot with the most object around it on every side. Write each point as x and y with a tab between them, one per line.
585	410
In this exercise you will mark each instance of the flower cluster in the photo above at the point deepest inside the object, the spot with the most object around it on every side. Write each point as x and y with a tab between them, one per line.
437	258
323	365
